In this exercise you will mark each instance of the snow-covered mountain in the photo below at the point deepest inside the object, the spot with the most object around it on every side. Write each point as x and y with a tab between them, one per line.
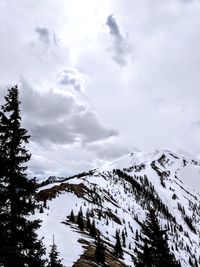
116	197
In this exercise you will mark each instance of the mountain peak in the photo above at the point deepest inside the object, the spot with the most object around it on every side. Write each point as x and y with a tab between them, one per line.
117	196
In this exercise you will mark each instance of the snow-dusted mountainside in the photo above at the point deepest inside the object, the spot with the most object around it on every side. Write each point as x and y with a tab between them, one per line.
116	197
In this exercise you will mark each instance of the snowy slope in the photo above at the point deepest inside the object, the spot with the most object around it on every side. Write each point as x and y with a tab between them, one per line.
118	195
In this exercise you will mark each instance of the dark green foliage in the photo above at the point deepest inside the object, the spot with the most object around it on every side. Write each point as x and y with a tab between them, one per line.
88	223
45	203
19	245
93	230
72	218
136	235
100	251
54	261
174	196
180	228
153	249
99	214
188	220
41	209
123	239
118	251
80	220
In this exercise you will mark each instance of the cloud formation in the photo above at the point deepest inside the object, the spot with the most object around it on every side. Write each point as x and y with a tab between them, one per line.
73	78
109	150
152	102
43	35
53	118
120	45
46	36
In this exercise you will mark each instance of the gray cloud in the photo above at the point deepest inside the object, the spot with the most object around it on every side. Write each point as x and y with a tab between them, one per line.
57	133
108	151
46	36
120	44
43	35
114	28
57	119
73	78
87	125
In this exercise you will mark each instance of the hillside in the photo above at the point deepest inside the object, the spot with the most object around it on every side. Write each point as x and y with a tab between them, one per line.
116	197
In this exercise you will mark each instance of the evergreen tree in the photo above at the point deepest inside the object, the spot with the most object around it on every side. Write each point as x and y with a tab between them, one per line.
136	235
153	249
19	245
80	220
72	218
41	209
123	239
100	251
118	251
53	257
88	223
93	230
99	214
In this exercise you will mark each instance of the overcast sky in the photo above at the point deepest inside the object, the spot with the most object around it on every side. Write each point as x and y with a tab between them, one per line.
99	79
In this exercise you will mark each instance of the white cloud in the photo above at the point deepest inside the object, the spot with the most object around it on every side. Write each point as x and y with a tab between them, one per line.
153	101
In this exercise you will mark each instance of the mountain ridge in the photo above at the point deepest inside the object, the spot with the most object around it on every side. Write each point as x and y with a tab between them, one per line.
122	191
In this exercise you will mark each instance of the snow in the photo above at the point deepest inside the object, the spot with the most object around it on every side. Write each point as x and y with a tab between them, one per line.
65	238
122	162
183	179
190	176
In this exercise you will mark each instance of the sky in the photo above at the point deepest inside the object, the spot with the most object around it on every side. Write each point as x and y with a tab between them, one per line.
99	79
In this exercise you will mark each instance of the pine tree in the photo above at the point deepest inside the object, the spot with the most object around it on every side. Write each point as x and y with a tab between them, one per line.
53	257
123	239
118	251
80	220
153	250
93	230
72	218
136	235
19	245
100	251
88	223
99	214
